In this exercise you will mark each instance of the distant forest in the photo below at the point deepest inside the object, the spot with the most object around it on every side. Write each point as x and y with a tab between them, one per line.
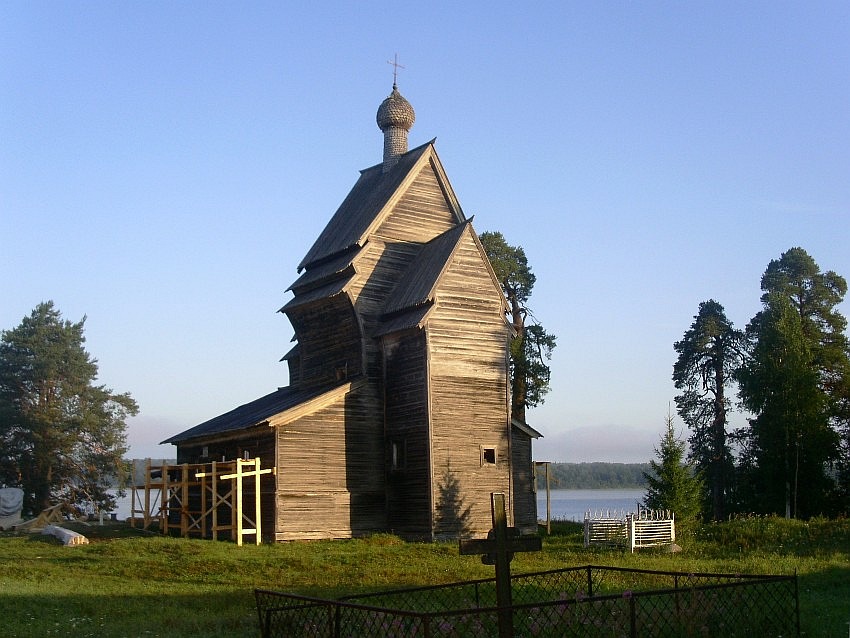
587	476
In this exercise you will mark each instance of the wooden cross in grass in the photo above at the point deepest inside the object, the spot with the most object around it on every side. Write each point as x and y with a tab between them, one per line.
498	549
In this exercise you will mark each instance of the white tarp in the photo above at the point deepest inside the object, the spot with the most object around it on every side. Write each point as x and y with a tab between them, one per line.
11	500
11	503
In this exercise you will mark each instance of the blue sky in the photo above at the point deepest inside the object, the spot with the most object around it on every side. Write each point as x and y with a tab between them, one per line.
165	166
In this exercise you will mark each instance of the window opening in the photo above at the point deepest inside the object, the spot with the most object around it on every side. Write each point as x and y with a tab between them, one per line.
398	452
488	455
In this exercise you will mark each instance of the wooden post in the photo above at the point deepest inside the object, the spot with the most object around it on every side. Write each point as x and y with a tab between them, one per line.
548	503
257	504
203	507
133	497
184	501
214	504
164	501
545	465
146	513
500	549
238	508
232	496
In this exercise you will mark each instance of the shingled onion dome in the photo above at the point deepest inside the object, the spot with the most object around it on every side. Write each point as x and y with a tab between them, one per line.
395	118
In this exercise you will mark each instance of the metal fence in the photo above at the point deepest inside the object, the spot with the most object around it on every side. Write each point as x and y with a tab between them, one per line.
581	601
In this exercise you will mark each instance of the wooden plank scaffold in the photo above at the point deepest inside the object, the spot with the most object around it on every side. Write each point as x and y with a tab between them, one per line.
238	518
146	496
207	498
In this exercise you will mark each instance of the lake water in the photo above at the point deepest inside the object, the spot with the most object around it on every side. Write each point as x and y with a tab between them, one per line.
571	505
124	504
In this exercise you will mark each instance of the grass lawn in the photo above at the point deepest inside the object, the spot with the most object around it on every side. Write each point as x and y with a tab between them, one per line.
130	583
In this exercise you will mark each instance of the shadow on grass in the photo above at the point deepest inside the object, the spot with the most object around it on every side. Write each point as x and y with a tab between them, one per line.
825	602
203	615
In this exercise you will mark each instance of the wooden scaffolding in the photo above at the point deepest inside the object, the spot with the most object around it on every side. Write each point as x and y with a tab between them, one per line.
203	499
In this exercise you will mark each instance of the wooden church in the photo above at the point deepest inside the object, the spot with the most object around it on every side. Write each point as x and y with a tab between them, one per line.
397	415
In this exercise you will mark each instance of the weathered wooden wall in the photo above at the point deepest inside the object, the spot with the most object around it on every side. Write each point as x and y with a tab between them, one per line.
467	334
330	340
408	485
525	496
330	478
421	212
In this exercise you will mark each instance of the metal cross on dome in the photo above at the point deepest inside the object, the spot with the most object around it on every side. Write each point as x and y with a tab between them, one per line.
396	67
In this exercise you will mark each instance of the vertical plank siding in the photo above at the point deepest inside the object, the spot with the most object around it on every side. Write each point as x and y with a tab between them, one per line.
330	341
327	483
406	413
466	338
525	495
421	212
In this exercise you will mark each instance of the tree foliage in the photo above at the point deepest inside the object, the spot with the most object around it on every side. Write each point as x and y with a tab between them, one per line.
63	437
532	346
792	369
709	355
796	384
673	484
789	438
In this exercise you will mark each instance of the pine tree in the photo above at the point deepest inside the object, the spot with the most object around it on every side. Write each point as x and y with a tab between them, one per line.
797	384
531	346
62	437
710	353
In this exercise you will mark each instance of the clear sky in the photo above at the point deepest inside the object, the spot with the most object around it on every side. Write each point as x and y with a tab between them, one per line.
165	166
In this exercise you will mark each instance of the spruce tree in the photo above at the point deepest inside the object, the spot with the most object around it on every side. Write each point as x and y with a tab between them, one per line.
673	484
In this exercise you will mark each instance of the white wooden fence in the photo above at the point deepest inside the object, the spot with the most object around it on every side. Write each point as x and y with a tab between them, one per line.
645	528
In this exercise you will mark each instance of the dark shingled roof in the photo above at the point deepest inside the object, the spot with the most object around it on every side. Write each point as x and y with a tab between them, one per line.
321	274
403	321
416	286
331	289
353	217
250	414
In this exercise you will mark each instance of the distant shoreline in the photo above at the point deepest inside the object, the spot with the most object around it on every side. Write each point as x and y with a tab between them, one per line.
594	475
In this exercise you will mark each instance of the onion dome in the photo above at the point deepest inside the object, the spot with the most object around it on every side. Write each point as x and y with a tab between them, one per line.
395	111
395	118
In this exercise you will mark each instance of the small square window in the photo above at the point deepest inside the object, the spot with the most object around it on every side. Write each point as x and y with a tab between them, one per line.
488	455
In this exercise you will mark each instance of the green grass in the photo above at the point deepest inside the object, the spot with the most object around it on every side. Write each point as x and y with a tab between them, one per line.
130	583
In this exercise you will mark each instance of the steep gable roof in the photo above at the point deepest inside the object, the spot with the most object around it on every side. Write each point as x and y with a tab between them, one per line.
416	287
261	410
369	199
410	301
